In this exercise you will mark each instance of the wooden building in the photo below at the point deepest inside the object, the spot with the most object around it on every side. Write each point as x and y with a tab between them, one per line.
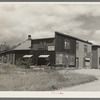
61	50
17	55
96	56
22	50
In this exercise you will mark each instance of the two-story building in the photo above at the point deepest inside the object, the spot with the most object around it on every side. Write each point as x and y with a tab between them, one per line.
59	50
62	50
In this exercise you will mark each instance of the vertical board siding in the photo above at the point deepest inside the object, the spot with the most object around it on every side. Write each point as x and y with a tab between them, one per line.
37	53
40	47
60	39
42	44
20	53
60	47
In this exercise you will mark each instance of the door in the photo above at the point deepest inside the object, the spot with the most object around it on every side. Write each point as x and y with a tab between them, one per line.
77	62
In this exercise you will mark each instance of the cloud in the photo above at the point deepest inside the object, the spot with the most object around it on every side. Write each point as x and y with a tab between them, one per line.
94	42
19	20
96	35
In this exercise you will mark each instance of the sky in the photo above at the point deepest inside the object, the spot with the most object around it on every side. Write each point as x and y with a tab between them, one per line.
17	21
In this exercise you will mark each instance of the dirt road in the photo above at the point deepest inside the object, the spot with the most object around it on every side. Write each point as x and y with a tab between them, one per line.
92	86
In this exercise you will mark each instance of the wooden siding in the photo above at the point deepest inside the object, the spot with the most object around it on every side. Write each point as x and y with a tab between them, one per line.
42	44
94	57
40	47
81	54
59	42
37	53
60	47
20	53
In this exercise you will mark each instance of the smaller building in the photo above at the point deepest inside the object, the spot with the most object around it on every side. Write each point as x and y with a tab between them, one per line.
15	56
96	56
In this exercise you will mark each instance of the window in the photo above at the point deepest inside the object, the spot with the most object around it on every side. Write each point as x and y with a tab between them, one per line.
42	45
77	46
85	48
67	44
59	58
87	62
35	47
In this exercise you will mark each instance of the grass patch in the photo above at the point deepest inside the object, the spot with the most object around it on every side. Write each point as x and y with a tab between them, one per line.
20	79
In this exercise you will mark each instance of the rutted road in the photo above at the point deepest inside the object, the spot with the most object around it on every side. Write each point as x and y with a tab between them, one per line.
92	86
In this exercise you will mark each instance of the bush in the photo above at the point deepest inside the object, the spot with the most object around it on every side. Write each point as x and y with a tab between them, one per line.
19	62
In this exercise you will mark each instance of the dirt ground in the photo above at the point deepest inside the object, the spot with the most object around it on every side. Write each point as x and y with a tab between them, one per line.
92	86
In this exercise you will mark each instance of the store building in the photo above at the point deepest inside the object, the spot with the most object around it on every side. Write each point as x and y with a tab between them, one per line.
62	50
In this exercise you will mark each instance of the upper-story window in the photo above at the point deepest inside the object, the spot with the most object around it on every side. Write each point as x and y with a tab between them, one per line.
67	44
42	45
77	46
85	48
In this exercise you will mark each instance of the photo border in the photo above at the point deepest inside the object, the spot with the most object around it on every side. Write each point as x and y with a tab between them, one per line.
44	95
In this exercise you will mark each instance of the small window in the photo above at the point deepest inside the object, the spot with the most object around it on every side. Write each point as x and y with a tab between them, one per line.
67	44
85	49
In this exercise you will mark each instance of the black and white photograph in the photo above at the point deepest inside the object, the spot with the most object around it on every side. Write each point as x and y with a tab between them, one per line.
50	47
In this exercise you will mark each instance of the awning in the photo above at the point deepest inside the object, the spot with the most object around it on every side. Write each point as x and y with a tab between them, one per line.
27	56
44	56
87	58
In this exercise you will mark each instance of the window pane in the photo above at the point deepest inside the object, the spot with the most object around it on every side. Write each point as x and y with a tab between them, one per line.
67	44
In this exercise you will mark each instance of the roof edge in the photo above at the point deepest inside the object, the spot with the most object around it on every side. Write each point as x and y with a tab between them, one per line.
72	37
44	38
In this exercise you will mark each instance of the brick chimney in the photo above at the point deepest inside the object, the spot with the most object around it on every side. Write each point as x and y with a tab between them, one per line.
29	37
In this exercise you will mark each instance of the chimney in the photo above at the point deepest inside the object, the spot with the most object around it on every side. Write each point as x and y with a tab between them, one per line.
29	37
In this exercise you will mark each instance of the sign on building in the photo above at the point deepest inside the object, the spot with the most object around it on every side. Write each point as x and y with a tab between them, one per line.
51	48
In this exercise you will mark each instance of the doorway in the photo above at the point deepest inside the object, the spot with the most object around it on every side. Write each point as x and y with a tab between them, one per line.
77	62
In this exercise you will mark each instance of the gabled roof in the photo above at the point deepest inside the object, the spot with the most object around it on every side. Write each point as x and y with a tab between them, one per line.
24	46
